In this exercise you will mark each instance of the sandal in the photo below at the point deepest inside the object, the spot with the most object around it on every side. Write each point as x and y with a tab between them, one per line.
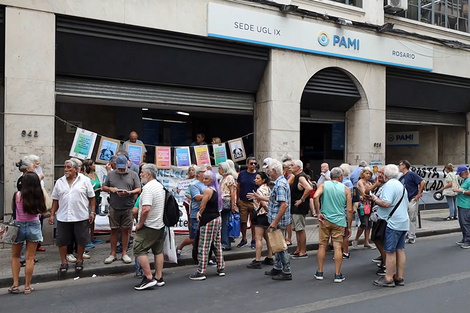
78	267
27	291
63	268
13	290
288	243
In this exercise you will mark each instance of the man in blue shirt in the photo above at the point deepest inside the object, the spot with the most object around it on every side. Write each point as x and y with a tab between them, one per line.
246	184
414	187
357	172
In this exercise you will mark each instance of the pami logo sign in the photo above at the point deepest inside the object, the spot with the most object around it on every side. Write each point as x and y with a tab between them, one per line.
346	42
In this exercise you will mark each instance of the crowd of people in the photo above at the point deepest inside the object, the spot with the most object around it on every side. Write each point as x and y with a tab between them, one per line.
276	195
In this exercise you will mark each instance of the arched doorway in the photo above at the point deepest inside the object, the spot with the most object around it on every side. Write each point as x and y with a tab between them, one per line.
326	98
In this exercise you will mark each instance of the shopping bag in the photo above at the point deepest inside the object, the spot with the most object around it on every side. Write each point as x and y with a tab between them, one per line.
169	248
234	225
276	241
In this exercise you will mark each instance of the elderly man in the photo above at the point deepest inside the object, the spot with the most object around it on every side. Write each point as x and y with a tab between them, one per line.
278	217
393	206
335	196
133	138
150	227
123	185
324	173
414	187
300	205
246	184
72	196
463	205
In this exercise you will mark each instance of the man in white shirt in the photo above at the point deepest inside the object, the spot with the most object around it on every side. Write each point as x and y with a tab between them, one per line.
73	194
150	227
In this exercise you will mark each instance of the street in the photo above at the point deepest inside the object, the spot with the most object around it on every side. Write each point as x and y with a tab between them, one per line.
437	277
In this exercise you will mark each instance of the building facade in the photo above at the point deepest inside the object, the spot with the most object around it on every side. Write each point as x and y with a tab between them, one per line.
334	81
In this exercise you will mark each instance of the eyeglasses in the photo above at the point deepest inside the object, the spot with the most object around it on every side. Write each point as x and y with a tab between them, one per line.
253	163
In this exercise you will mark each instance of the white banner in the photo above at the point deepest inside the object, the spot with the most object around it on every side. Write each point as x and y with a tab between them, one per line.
276	30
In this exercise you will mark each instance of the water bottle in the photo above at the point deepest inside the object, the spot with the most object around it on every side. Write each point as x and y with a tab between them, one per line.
361	209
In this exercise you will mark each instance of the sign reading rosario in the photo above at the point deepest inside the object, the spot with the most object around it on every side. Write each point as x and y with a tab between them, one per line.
276	30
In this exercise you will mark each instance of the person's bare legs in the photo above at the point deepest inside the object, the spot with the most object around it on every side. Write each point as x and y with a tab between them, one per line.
159	265
338	256
186	242
29	267
259	232
15	262
401	261
113	239
345	245
301	242
145	265
266	238
126	233
390	266
321	256
289	234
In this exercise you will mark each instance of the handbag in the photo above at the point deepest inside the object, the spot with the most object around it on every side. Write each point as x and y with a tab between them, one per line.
276	241
378	228
455	185
226	204
9	233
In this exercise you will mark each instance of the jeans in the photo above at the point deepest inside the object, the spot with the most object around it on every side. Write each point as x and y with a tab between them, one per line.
413	215
281	259
226	244
394	239
464	221
452	206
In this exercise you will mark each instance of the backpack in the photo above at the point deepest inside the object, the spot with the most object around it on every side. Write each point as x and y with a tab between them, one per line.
171	209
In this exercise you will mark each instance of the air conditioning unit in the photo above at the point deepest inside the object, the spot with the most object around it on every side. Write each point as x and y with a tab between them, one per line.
395	6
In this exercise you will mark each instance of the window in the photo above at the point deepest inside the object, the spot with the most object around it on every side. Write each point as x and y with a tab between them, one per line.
356	3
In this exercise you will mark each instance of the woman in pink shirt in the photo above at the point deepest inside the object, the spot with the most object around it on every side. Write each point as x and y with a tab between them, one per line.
28	204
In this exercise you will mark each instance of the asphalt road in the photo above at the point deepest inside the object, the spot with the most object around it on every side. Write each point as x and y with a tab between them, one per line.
437	279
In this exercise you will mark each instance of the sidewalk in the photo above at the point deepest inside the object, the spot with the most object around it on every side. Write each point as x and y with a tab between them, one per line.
433	223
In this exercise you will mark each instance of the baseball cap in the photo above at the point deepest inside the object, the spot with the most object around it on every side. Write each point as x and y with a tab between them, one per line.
266	162
461	168
121	162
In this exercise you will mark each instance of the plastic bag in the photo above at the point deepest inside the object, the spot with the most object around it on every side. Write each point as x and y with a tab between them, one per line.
169	248
234	225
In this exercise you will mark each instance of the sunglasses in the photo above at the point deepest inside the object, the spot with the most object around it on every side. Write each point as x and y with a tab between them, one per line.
253	163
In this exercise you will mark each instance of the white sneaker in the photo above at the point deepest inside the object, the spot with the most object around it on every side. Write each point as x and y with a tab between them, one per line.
110	259
86	256
354	244
126	259
71	258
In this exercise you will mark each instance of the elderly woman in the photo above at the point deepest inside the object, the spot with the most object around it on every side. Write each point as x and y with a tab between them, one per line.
364	209
209	227
393	208
451	182
228	189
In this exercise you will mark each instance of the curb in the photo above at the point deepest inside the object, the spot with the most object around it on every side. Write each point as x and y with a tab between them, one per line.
129	268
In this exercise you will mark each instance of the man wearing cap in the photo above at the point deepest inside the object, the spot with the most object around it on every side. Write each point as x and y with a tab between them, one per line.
414	187
123	186
463	205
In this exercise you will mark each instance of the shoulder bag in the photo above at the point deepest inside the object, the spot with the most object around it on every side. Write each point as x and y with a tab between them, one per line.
378	228
10	230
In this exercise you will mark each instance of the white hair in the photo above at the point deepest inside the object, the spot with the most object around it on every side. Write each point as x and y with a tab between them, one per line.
346	169
275	166
298	163
391	171
336	172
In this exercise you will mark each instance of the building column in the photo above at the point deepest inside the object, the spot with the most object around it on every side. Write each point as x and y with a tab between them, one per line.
277	110
29	93
366	120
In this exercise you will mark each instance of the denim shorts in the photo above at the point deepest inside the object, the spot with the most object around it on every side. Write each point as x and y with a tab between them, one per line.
29	231
193	228
394	239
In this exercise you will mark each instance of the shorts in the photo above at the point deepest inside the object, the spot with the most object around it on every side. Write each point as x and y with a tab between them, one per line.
148	238
245	208
193	228
261	221
328	230
66	231
394	239
298	222
120	218
365	222
29	231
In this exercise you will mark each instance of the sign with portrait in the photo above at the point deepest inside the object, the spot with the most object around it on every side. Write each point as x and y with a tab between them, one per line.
163	157
136	152
237	149
83	144
106	149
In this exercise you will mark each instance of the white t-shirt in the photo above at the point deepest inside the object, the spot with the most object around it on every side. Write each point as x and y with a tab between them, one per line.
153	194
74	199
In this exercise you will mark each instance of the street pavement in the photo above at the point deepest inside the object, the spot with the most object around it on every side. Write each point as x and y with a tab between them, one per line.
433	223
436	281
